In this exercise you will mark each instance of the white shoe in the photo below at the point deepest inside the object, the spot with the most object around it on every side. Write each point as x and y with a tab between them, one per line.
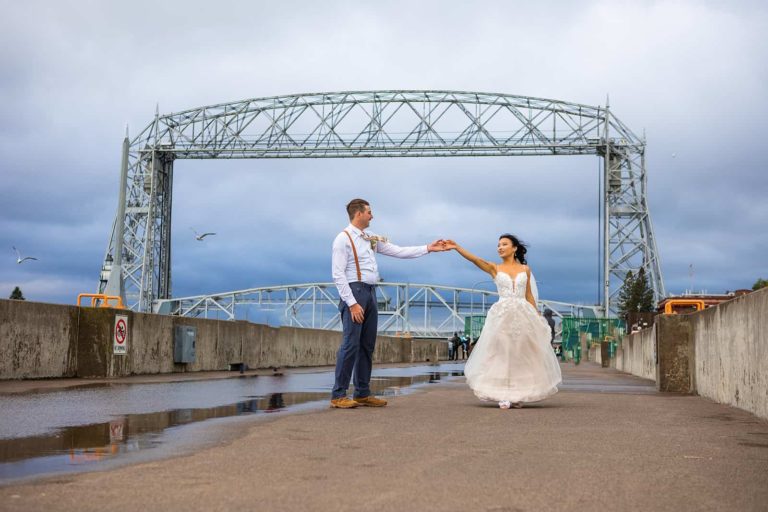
504	404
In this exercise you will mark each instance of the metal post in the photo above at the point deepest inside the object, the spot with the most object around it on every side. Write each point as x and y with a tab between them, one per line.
115	284
164	198
399	324
455	308
606	216
471	311
407	326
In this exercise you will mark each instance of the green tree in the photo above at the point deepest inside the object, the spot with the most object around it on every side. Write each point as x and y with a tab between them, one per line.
16	294
644	292
760	283
625	294
636	295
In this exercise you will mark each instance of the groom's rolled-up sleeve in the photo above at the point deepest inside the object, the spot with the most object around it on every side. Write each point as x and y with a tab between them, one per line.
339	271
389	249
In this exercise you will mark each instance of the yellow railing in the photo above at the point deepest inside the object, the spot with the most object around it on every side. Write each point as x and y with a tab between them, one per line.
95	297
670	305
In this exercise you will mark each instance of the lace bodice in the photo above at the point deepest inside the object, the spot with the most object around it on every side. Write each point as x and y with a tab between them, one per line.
511	287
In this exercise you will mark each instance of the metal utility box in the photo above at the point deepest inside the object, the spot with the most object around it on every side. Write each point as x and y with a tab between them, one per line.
184	344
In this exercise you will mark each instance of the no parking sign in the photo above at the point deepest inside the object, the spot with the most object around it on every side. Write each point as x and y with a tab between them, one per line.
120	335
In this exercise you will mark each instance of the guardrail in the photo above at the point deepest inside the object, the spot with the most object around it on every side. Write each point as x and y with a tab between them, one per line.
105	299
669	307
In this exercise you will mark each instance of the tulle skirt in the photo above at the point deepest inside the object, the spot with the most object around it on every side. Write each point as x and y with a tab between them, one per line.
513	359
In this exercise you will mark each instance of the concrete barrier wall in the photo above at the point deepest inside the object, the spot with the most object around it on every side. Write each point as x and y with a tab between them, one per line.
731	347
720	353
675	356
428	350
594	354
636	354
49	340
37	340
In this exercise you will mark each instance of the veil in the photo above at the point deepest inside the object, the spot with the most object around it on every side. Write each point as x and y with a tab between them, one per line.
534	289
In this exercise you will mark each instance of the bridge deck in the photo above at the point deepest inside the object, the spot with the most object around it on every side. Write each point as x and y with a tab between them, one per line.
606	441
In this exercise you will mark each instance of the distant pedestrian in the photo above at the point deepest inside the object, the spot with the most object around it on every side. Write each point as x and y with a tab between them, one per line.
454	344
551	321
464	347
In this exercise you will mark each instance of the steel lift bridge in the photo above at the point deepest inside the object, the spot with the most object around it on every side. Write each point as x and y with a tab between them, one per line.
137	263
423	310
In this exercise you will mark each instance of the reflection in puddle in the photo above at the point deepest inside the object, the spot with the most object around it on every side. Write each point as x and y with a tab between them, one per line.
85	447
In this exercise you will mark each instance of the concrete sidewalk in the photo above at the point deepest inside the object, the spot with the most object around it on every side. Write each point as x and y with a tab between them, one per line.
606	441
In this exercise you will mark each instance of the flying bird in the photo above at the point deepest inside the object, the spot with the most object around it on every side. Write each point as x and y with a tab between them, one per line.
200	237
21	260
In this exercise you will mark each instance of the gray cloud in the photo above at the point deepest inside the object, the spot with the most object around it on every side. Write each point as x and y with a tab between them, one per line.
690	74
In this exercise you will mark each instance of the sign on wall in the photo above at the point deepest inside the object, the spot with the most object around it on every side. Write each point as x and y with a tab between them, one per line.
120	335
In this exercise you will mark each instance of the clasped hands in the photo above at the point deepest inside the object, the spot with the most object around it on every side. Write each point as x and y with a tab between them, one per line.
442	245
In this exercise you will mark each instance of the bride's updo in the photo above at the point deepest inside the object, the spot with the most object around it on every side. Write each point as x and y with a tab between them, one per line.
521	247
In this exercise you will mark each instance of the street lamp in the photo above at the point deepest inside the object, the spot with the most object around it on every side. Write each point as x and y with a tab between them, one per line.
472	304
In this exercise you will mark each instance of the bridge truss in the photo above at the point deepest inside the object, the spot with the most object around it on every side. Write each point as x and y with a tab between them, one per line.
422	310
137	263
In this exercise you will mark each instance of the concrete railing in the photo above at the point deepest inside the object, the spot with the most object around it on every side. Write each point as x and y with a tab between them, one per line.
48	340
720	353
731	346
636	354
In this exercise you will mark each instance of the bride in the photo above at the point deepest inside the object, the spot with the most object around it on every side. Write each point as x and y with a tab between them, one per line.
513	361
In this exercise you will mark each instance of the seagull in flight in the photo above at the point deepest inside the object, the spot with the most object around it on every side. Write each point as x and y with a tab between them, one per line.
21	260
200	237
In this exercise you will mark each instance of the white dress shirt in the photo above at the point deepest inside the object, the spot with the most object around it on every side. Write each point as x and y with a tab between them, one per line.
343	260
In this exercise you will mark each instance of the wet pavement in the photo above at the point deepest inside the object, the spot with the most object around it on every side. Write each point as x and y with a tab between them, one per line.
607	441
101	425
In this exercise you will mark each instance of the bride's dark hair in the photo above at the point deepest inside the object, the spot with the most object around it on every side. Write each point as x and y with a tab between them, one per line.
521	247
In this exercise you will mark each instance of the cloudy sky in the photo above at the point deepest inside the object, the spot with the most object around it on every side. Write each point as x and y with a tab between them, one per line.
693	75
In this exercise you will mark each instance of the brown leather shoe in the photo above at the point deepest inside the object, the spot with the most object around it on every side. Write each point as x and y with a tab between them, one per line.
371	401
343	403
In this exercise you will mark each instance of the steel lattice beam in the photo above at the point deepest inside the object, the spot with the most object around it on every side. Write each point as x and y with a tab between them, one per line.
422	310
374	124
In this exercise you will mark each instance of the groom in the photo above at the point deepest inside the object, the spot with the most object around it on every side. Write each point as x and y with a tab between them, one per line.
355	274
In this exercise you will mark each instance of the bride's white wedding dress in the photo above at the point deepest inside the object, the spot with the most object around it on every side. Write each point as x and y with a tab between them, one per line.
513	359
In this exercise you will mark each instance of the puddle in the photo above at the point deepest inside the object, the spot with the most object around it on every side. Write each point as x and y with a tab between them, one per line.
98	427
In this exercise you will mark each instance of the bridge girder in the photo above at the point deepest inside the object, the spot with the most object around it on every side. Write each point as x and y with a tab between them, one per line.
423	310
374	124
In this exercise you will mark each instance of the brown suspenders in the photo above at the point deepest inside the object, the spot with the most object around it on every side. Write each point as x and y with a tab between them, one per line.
354	251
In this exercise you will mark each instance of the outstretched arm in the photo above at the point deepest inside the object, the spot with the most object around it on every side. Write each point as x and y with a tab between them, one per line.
483	265
390	249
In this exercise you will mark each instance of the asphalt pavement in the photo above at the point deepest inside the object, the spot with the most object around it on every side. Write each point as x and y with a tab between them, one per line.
606	441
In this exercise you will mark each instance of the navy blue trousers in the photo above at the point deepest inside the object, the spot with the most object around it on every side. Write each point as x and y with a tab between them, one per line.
354	361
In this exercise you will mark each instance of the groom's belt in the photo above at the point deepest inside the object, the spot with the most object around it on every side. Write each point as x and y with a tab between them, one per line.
364	285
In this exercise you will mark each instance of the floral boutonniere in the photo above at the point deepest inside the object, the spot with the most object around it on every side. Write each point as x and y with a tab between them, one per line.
375	239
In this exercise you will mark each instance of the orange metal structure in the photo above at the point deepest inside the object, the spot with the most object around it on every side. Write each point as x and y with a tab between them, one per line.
669	307
105	299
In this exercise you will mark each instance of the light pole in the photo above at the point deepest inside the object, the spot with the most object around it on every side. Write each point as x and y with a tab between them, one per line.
472	305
